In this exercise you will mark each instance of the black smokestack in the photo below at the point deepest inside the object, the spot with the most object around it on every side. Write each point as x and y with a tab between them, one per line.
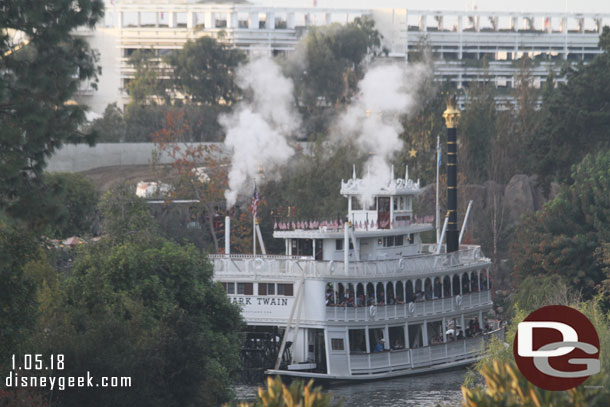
452	115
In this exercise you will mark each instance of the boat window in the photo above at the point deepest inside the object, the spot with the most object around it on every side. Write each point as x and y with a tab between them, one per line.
435	332
483	280
411	238
388	241
402	205
375	339
339	244
284	289
383	213
398	241
395	204
337	344
266	288
245	288
397	337
229	287
356	205
465	283
416	335
373	205
318	253
428	289
357	340
400	293
446	286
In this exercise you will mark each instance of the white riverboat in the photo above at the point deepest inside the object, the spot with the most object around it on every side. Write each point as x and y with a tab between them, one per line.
365	298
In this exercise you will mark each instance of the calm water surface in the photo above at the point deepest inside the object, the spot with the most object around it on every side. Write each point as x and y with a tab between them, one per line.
426	390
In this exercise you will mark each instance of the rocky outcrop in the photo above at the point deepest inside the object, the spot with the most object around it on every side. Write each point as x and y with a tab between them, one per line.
520	195
519	198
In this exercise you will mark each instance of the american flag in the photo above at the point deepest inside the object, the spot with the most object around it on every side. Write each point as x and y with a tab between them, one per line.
254	204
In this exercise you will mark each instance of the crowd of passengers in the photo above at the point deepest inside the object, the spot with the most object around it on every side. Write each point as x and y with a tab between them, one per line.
474	329
348	299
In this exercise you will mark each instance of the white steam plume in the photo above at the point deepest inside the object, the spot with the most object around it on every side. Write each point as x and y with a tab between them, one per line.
372	121
258	130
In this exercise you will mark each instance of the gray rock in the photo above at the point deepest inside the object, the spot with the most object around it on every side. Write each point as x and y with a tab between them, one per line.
518	198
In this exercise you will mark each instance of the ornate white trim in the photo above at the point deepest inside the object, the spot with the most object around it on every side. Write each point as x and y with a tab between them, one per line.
397	186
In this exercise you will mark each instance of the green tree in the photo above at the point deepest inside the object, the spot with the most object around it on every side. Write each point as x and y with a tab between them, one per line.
204	70
562	238
331	62
574	118
125	216
477	128
148	310
111	128
75	199
41	66
146	87
17	312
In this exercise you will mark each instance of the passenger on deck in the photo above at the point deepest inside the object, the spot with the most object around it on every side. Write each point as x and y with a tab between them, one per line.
350	301
486	325
379	347
476	326
360	301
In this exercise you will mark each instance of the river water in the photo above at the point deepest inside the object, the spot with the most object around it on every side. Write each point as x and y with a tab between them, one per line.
438	389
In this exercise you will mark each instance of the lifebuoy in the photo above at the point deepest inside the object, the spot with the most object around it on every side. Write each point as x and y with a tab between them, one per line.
458	300
373	310
331	266
411	307
401	264
259	263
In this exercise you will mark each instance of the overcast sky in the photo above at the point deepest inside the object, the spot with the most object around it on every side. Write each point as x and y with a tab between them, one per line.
587	6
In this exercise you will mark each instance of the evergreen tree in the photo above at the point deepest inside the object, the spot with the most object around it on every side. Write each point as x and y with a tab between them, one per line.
204	69
564	237
575	118
41	66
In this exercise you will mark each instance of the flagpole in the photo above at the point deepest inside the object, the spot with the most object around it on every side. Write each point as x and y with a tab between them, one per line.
438	209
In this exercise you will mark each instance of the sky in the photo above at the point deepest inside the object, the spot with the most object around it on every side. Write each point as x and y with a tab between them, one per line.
585	6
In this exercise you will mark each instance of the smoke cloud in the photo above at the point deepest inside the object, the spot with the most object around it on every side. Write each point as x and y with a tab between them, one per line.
372	121
260	128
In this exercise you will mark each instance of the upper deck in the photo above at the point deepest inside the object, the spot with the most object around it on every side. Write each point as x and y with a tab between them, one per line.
248	267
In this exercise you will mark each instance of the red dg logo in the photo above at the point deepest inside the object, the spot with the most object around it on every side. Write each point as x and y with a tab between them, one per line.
556	348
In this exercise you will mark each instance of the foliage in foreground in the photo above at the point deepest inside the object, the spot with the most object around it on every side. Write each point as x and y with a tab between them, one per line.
505	386
298	394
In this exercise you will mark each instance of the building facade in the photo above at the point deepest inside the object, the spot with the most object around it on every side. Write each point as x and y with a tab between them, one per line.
465	46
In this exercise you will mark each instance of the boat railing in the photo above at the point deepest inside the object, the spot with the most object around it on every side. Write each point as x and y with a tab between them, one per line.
414	309
402	359
249	265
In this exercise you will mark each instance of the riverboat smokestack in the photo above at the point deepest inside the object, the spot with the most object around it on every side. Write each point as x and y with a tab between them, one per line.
452	115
